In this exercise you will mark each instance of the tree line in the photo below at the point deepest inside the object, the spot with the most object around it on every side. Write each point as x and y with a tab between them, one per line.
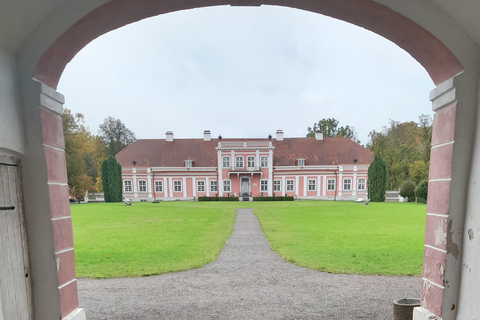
91	165
401	155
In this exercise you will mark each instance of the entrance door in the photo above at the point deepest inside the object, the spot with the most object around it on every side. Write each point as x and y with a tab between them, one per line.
14	284
244	186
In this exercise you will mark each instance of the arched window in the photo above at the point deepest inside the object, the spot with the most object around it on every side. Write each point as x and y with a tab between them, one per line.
127	186
142	186
251	162
264	161
239	162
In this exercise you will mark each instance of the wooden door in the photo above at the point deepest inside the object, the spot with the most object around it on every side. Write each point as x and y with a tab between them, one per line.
14	274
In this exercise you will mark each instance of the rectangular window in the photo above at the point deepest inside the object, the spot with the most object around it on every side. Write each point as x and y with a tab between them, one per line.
301	162
331	184
142	186
188	163
158	186
290	185
361	184
213	186
264	162
347	184
311	185
264	185
239	162
226	162
177	186
200	186
226	186
127	186
251	162
277	185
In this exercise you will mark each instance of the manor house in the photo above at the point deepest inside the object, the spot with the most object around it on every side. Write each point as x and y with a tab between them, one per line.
306	168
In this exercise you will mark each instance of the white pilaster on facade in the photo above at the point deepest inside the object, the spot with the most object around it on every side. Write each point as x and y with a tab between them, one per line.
170	186
184	185
284	190
340	180
319	180
207	187
270	172
194	187
354	182
220	174
135	187
232	160
257	160
324	186
165	187
304	186
296	185
149	182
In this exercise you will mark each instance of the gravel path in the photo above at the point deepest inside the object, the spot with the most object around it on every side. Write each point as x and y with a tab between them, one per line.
247	281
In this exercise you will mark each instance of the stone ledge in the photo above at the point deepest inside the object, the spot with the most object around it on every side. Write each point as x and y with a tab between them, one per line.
420	313
77	314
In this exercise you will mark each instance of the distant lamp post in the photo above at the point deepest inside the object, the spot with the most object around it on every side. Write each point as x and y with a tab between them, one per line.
134	162
355	160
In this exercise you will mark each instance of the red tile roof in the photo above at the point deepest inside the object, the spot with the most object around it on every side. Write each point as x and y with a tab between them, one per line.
160	153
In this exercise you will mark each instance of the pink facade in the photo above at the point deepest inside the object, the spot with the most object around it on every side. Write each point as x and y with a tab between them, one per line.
305	168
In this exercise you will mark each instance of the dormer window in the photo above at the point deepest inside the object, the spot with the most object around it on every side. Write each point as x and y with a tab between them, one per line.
301	162
188	163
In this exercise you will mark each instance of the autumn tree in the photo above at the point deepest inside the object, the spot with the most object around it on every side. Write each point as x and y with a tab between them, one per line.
115	135
330	128
77	145
401	145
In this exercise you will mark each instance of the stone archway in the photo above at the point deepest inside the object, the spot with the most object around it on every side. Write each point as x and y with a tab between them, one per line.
436	58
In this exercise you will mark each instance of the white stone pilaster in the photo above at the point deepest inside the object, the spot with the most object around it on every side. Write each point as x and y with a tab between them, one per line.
184	186
194	187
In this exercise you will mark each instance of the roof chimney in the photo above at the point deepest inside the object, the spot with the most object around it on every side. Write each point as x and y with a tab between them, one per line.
207	136
279	135
319	135
169	136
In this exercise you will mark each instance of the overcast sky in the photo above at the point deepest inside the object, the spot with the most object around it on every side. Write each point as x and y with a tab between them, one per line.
244	72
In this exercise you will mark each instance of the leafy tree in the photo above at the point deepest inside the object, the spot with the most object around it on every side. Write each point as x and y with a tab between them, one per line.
77	145
408	190
377	180
330	128
418	171
115	135
400	145
112	179
421	191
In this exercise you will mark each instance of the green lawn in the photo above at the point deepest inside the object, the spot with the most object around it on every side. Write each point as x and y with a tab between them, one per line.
346	237
113	240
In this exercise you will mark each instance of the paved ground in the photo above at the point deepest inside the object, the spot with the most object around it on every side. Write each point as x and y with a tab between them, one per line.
247	281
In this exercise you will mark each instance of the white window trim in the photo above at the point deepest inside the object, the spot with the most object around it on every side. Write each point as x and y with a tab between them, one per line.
125	186
200	185
328	184
278	184
213	183
236	162
350	183
178	187
262	163
225	185
364	184
251	164
314	184
263	183
139	187
188	163
223	161
300	162
292	184
160	185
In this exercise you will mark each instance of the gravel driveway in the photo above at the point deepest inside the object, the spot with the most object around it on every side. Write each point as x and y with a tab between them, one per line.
247	281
